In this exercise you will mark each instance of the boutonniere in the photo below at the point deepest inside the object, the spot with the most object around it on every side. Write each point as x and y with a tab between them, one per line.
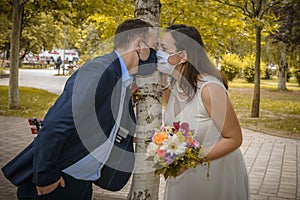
136	94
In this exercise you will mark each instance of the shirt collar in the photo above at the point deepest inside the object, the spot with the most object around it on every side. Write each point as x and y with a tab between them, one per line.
126	78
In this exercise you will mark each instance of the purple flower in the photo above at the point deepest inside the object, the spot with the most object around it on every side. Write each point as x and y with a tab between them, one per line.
176	125
151	135
185	127
169	159
188	145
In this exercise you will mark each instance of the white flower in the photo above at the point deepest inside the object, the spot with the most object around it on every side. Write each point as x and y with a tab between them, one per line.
152	149
174	146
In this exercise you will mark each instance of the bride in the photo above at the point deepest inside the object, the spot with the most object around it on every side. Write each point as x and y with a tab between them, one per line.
197	94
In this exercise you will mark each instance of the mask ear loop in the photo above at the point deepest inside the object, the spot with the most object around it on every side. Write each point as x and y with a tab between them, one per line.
182	57
138	54
177	53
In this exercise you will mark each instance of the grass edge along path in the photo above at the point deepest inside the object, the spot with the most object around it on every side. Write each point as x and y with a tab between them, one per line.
33	102
279	110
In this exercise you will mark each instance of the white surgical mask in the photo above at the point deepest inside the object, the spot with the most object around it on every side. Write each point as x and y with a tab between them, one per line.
162	62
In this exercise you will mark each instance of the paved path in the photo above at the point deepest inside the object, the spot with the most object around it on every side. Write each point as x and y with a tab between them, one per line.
273	163
40	78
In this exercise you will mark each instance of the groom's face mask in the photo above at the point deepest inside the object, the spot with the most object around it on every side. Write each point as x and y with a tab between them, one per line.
147	67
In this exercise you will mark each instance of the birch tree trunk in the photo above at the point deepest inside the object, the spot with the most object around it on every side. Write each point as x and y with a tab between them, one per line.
13	92
283	66
145	185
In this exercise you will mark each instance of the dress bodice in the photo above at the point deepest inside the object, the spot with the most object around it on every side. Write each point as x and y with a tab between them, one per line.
193	112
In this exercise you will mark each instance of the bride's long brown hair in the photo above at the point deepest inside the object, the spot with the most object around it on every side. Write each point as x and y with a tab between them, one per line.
188	38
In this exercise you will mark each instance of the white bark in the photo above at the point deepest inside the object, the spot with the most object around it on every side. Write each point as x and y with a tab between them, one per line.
145	185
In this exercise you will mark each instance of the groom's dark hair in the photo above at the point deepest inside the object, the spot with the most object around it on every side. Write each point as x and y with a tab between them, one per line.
129	30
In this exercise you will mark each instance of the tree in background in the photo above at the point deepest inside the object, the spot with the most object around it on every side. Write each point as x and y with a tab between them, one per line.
25	12
220	25
287	35
255	11
17	16
5	29
145	185
97	30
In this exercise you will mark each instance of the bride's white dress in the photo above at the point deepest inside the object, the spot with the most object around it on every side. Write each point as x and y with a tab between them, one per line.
228	179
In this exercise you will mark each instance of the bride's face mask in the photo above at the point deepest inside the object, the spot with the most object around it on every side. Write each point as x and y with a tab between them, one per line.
163	64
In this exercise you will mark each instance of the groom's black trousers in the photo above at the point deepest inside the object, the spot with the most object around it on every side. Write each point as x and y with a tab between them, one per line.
74	190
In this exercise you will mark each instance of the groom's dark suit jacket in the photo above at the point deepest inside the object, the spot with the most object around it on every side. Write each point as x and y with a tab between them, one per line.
59	145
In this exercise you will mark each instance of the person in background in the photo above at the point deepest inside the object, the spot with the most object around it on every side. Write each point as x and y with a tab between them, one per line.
58	62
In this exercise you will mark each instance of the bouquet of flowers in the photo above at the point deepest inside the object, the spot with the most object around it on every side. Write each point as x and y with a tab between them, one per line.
172	148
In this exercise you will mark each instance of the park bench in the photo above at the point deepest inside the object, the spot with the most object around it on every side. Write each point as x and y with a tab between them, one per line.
35	125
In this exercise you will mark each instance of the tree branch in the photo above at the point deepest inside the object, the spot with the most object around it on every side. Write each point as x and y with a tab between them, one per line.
24	2
235	6
173	21
246	7
270	5
253	5
258	8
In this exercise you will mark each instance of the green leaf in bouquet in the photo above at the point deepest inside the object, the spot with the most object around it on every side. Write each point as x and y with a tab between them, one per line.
150	158
159	171
170	172
158	166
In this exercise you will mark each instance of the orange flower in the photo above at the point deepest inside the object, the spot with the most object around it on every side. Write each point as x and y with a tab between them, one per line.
189	141
159	137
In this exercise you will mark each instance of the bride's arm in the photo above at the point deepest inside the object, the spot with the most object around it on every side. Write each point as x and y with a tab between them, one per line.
219	108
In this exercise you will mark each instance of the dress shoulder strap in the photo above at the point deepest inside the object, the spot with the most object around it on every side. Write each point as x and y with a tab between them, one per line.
209	80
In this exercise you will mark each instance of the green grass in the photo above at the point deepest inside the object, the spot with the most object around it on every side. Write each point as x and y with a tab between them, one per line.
279	110
33	102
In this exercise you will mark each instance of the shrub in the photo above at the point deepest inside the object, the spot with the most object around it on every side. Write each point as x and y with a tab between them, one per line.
248	73
288	75
248	65
231	65
268	74
297	75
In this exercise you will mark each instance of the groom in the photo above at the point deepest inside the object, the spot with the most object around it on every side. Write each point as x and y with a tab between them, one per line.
87	135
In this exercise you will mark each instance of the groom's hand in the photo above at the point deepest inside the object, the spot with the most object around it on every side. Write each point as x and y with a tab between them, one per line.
49	188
